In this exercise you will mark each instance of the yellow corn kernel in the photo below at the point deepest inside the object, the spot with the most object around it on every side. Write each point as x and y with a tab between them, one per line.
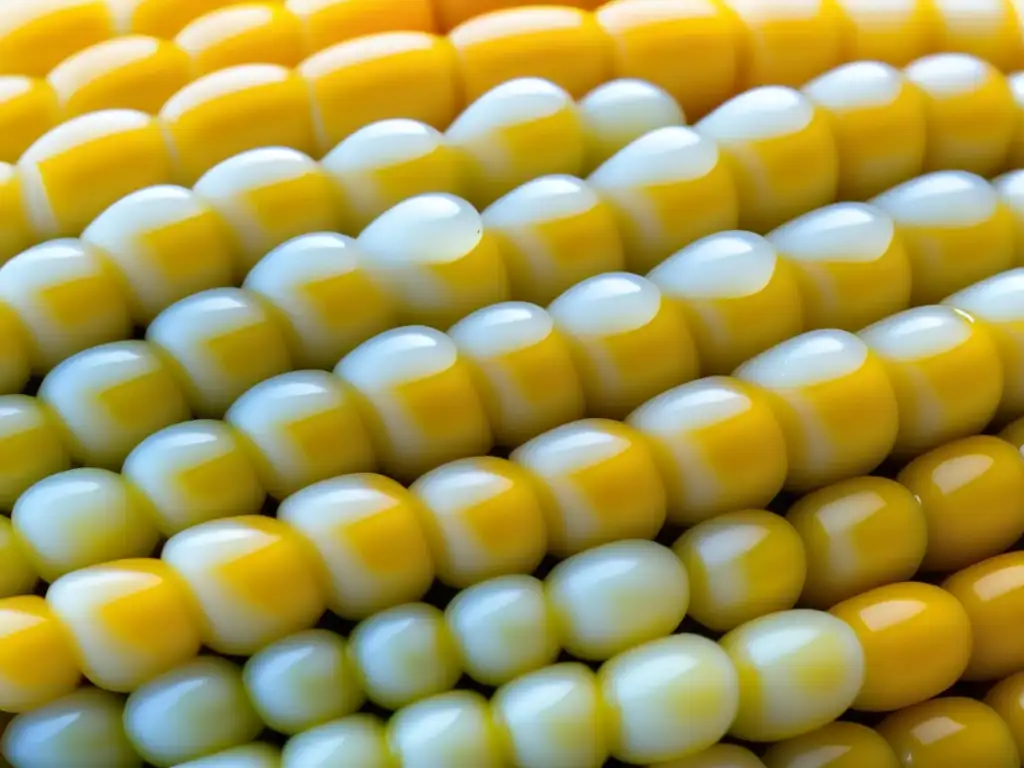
738	297
372	553
945	371
389	75
130	72
110	398
597	482
227	112
563	45
718	446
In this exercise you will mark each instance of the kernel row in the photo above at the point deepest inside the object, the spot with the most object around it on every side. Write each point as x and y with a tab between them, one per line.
163	243
641	685
712	56
210	348
255	105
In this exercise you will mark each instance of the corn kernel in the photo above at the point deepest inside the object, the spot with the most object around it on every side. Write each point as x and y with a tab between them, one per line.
301	428
813	382
371	552
916	640
688	48
451	13
434	255
326	22
787	42
230	111
858	534
358	741
482	520
165	243
813	676
193	472
945	371
109	398
995	303
718	446
418	400
251	578
762	135
82	727
196	709
988	29
79	518
28	109
267	196
243	33
312	283
597	482
129	72
552	233
851	263
1010	188
553	718
15	367
950	731
405	654
37	663
738	297
65	299
952	483
503	628
992	592
409	75
616	597
628	340
302	681
219	343
516	132
161	18
941	216
621	111
895	33
970	112
31	446
878	120
742	565
130	620
563	45
35	37
452	728
839	745
523	370
1006	698
720	755
648	691
66	175
649	181
389	161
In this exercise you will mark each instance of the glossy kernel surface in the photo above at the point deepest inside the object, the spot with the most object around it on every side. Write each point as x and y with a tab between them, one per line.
597	482
742	565
949	732
798	670
858	534
811	381
836	745
992	593
718	447
251	579
482	519
916	640
956	481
